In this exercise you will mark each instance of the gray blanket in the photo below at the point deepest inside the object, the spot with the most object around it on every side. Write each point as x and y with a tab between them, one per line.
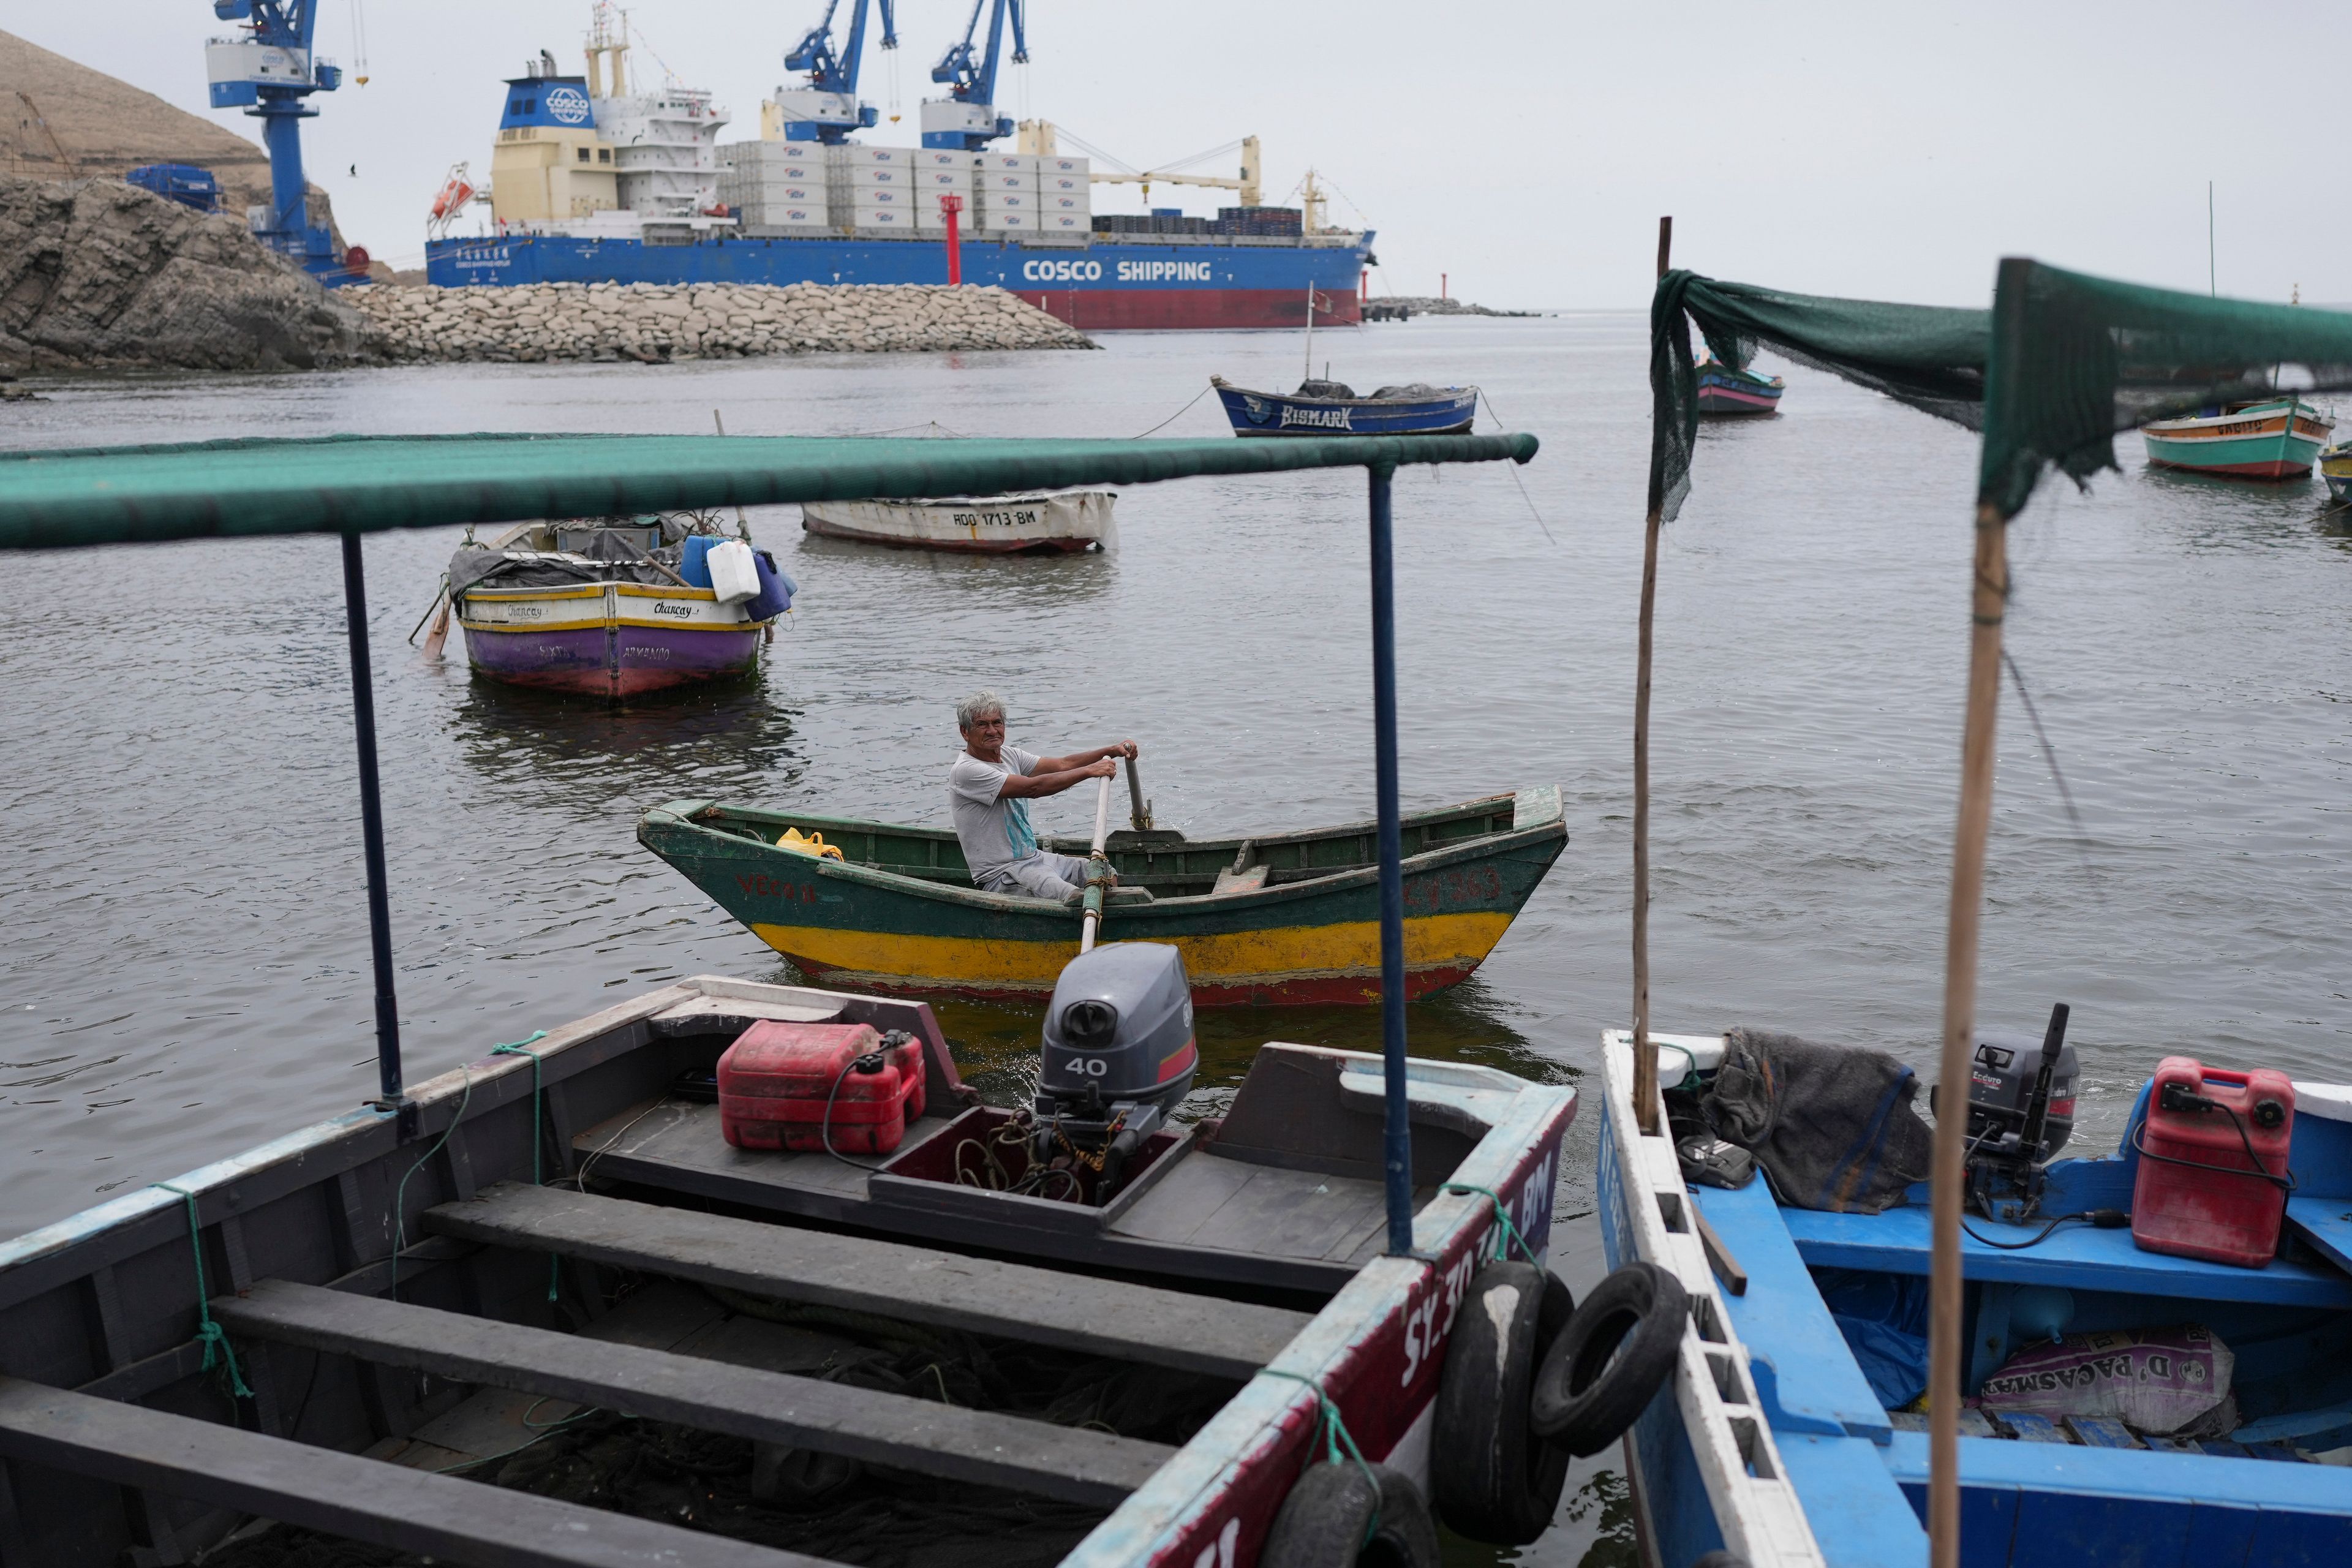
1832	1128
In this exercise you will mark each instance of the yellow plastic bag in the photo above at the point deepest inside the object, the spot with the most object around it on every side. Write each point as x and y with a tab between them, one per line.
813	844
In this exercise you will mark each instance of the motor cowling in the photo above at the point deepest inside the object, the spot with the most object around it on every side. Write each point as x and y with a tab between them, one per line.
1119	1052
2001	1070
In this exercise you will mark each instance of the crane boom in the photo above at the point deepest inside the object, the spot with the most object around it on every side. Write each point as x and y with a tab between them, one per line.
271	72
827	109
967	117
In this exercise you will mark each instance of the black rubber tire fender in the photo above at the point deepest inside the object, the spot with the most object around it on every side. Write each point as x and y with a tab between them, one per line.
1495	1479
1324	1522
1619	1350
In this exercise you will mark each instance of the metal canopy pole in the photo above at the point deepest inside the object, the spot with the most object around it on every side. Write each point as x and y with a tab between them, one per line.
387	1010
1398	1156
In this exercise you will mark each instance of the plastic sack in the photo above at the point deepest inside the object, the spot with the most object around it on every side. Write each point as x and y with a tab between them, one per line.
2151	1380
813	844
734	575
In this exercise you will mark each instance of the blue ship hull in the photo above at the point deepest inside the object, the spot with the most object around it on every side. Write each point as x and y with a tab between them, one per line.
1274	413
1093	286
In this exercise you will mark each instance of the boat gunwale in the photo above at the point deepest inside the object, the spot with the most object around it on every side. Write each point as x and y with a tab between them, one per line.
1479	848
1456	396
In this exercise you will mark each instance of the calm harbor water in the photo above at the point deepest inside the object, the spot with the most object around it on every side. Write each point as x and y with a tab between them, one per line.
183	938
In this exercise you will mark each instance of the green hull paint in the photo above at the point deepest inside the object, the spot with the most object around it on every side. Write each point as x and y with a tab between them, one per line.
1480	859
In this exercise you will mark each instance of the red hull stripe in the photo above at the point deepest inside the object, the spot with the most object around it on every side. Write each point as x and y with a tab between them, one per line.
1113	309
957	546
2273	471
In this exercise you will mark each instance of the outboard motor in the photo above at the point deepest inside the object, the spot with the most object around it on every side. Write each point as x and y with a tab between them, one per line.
1118	1054
2021	1113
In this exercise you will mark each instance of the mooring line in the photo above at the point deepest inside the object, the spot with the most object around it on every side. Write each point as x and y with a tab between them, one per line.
1514	470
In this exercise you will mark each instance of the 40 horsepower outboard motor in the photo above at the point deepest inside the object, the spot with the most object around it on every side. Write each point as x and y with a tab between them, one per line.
1119	1052
2021	1113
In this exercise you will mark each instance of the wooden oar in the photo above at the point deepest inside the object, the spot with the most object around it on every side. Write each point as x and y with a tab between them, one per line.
438	594
439	636
1097	869
1138	809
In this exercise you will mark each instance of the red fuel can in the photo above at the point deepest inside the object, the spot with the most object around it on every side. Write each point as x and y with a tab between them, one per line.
2212	1162
776	1081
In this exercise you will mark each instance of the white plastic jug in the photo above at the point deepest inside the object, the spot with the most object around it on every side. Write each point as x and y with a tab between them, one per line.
734	576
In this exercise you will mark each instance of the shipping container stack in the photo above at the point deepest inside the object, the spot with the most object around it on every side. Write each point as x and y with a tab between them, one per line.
876	188
1064	195
1258	223
776	185
944	171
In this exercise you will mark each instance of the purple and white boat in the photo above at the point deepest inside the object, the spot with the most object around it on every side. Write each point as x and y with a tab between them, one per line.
608	607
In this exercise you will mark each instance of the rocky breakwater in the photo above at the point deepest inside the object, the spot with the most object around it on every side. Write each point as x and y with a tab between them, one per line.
654	323
97	274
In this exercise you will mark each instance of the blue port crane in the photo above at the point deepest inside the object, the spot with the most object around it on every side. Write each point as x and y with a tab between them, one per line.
966	117
828	108
270	73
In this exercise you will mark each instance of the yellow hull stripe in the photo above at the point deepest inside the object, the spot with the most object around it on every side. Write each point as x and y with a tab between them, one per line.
1226	958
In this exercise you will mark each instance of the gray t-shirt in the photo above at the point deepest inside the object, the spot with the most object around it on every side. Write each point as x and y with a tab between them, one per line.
994	831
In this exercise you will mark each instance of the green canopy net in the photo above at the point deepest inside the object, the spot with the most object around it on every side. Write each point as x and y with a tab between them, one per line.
2059	364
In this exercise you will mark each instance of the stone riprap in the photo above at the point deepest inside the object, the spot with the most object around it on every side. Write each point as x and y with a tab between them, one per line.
544	322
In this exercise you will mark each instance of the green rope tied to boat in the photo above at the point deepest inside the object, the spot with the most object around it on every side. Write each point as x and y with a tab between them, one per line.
400	1193
1334	1433
1502	1220
210	1334
538	1138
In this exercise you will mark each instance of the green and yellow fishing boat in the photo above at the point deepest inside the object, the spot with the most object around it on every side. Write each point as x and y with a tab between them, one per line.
1274	919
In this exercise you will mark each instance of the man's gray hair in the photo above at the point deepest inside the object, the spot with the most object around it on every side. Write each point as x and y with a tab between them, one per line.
977	706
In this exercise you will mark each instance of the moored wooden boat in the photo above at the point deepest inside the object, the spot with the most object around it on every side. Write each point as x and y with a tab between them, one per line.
404	1321
1723	390
2336	468
591	610
2275	438
1331	408
984	525
1271	919
1828	1475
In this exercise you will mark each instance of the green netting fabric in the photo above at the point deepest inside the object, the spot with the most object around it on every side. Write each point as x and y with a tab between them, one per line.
1926	355
2050	374
354	484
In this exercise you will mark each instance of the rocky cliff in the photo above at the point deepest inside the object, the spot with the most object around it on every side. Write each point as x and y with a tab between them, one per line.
95	273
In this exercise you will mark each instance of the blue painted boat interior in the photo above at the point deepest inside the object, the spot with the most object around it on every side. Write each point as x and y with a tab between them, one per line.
2275	1490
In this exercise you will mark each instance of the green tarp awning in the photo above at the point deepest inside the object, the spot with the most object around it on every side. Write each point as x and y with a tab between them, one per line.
356	484
2059	364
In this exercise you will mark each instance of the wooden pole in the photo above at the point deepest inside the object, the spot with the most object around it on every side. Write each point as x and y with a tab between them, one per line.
1098	863
1989	594
1645	1059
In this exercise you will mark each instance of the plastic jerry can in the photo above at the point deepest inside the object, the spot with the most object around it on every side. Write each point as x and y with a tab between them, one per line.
777	1080
2212	1170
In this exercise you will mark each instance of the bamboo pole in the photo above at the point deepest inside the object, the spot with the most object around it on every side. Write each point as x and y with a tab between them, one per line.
1989	594
1645	1059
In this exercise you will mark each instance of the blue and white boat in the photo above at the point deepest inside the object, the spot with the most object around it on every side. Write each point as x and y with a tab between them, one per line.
1773	1444
1332	408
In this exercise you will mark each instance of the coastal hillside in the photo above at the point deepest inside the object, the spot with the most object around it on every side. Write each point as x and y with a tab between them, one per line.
81	122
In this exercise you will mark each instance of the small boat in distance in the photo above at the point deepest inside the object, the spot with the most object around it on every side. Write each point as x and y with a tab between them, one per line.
982	525
2271	438
607	607
2336	468
1723	390
1332	408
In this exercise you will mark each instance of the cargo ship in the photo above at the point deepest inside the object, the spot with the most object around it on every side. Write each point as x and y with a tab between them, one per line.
593	182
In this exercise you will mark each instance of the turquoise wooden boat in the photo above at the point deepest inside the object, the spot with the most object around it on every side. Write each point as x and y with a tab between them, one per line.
2275	439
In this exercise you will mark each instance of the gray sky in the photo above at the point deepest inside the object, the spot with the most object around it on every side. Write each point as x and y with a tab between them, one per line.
1525	149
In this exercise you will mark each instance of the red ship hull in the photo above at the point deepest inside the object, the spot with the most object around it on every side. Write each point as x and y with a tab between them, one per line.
1173	310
